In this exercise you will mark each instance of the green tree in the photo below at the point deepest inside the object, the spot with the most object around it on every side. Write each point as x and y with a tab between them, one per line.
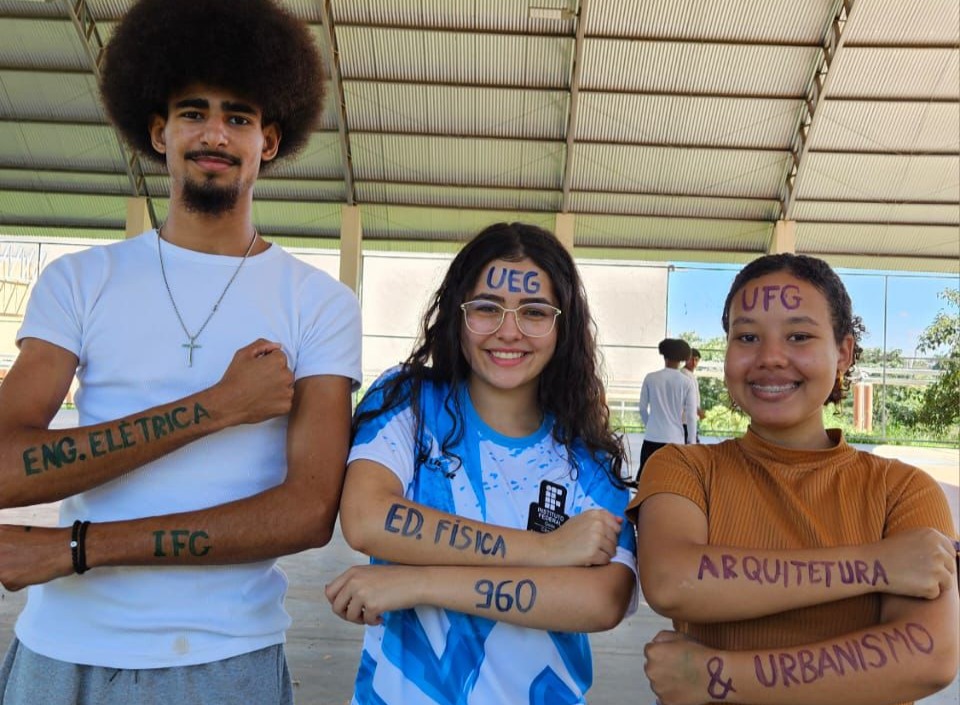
941	400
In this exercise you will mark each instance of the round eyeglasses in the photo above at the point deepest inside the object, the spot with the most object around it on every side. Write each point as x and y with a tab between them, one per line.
485	317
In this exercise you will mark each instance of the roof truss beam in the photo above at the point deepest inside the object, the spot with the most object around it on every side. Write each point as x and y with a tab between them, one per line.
89	33
810	111
336	75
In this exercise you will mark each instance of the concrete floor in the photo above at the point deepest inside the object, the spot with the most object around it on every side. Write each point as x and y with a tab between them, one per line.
323	651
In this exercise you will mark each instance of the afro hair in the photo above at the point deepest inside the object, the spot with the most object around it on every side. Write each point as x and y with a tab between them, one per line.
253	48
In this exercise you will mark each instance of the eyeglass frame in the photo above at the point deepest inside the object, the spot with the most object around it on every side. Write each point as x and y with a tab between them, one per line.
516	317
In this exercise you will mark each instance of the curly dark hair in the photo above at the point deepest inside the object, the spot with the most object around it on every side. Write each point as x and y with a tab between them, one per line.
820	275
253	48
570	387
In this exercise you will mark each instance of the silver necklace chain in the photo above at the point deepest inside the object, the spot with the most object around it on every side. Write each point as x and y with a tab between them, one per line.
191	344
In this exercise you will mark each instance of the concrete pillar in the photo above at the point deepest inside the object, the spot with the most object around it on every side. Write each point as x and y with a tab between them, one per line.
863	406
138	217
784	237
351	247
563	229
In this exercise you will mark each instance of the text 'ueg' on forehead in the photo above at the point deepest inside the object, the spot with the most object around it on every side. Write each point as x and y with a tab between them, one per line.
516	281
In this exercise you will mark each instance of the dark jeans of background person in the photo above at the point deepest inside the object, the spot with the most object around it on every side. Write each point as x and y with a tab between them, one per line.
646	450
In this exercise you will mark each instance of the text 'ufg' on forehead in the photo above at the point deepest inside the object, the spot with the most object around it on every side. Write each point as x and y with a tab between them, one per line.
769	296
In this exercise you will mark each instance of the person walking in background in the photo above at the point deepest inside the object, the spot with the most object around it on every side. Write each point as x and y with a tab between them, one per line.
666	397
796	568
215	374
689	368
485	472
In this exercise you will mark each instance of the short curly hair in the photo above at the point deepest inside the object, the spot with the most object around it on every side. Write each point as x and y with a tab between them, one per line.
253	48
820	275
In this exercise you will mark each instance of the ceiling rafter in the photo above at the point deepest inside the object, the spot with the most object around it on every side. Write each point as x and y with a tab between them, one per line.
93	45
336	78
571	133
810	111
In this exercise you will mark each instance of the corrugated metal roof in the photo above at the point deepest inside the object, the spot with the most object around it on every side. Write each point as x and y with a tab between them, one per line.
713	69
314	219
66	182
49	96
456	111
877	212
880	177
454	197
887	127
895	21
457	114
445	57
490	15
727	208
732	122
404	222
90	147
439	160
662	233
91	209
320	159
299	190
45	44
897	74
678	171
770	21
888	239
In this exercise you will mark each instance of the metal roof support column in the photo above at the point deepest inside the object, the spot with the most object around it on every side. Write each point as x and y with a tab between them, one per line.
784	238
336	78
86	26
351	247
574	104
564	228
138	216
810	112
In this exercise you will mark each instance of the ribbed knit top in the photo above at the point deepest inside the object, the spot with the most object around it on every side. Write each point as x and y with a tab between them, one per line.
759	495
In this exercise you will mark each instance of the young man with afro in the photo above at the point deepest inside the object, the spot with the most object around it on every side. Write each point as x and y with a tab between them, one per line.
215	377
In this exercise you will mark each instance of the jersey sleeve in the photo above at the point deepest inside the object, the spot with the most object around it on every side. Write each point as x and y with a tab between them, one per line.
330	331
388	437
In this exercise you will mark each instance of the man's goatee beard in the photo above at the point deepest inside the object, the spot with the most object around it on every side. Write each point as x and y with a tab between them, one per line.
208	198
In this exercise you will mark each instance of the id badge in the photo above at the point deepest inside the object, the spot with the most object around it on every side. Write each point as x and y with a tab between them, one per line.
548	513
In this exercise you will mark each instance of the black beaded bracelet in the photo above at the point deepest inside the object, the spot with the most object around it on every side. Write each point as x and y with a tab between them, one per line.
78	546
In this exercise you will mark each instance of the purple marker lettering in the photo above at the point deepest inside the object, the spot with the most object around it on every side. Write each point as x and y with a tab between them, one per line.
769	294
707	565
743	299
761	674
793	301
926	646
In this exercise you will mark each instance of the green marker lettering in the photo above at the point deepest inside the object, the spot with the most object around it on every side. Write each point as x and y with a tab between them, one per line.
29	461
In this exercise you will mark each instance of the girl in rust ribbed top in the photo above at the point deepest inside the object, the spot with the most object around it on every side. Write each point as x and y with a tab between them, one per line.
796	568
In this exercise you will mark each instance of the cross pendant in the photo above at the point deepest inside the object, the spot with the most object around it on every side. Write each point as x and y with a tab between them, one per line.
190	347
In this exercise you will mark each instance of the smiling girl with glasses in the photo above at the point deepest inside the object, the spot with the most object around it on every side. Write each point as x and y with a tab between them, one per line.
484	481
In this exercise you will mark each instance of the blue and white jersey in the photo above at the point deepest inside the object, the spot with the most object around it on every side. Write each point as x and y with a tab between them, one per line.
432	656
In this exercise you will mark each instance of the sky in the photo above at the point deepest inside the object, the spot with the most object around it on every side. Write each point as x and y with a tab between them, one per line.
697	292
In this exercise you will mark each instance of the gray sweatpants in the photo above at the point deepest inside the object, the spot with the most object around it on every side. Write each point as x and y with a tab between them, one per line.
257	678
